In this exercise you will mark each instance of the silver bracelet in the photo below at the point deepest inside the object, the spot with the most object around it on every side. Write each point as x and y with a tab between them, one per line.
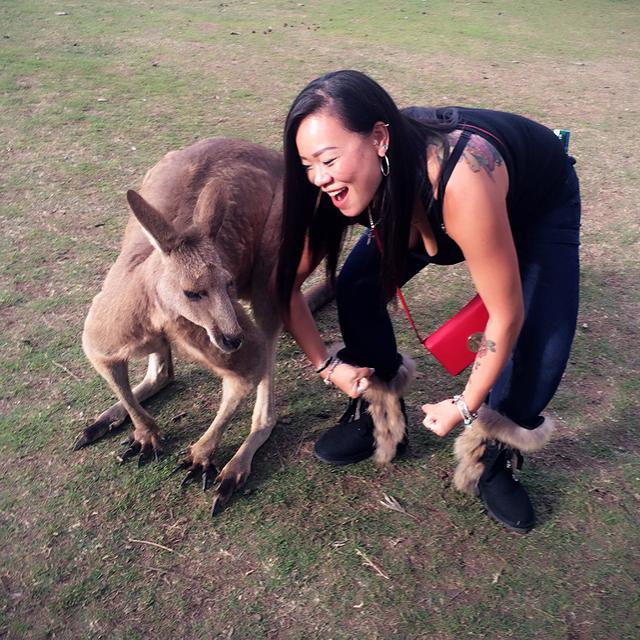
334	364
467	416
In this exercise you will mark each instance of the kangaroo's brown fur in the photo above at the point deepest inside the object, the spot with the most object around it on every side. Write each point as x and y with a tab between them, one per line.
204	235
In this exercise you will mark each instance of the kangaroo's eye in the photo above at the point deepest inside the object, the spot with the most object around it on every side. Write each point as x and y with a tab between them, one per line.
192	295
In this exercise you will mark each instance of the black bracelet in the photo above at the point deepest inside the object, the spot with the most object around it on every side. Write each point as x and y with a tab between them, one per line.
325	364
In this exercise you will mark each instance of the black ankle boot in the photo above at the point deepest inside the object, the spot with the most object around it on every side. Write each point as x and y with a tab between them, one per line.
504	497
352	439
485	454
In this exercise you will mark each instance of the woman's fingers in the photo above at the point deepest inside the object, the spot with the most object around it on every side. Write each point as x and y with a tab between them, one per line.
430	420
353	380
440	418
362	379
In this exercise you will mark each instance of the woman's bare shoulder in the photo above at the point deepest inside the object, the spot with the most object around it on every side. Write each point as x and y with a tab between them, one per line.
479	155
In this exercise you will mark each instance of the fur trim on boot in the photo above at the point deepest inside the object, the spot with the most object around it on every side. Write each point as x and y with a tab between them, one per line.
386	411
491	425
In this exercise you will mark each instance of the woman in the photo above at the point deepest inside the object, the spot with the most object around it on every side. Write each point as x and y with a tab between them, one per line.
434	186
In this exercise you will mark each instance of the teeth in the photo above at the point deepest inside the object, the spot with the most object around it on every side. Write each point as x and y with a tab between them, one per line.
333	194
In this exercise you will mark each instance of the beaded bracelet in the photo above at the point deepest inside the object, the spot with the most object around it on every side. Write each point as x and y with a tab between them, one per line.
334	364
467	416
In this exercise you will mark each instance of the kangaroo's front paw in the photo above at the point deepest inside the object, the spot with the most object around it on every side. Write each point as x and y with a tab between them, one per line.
144	443
198	463
230	479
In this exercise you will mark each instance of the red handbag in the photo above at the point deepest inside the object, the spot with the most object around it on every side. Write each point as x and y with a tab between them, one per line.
455	343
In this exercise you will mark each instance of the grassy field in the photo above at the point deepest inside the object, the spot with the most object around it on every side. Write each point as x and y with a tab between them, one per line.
92	95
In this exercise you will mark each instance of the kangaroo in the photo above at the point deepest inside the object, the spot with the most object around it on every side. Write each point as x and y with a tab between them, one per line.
204	235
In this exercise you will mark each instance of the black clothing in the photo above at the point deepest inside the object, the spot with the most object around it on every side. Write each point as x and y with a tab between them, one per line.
533	154
535	159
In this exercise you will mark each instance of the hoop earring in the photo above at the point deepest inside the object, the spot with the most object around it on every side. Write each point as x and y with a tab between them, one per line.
385	165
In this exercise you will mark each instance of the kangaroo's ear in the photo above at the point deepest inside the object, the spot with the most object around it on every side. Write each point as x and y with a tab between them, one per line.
240	187
215	202
159	230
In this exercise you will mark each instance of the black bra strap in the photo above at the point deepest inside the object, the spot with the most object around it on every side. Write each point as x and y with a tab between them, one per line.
452	161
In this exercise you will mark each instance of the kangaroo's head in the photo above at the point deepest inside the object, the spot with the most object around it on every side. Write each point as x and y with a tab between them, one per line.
191	281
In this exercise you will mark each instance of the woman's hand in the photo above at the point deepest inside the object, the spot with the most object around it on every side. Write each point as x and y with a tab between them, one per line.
442	417
352	380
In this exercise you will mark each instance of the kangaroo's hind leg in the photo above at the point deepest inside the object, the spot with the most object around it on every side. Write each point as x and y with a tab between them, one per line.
159	374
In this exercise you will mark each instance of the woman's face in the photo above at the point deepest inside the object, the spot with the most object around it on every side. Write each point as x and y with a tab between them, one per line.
344	164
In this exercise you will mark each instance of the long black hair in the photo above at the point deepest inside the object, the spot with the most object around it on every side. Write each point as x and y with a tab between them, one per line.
359	102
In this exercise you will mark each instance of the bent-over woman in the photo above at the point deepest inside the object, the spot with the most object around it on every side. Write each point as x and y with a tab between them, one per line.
436	186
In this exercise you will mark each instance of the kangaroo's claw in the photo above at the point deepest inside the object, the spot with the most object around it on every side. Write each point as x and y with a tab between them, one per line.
133	450
206	476
145	452
206	470
216	506
181	466
191	474
145	457
197	469
223	493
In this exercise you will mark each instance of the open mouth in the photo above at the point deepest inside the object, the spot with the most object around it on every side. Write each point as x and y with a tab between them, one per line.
339	195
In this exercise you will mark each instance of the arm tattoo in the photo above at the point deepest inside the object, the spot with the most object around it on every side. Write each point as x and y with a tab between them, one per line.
485	346
480	154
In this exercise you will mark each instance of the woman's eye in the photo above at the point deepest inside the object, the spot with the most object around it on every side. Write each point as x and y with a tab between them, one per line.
306	167
328	163
192	295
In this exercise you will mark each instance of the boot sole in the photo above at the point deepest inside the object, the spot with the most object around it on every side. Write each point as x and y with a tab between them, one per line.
402	449
343	461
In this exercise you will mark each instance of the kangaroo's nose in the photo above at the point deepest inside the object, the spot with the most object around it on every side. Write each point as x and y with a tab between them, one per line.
232	343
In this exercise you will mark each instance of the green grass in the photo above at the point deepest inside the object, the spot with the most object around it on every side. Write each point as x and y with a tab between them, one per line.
92	99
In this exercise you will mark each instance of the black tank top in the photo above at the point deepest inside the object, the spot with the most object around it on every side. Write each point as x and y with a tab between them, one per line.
533	154
534	157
